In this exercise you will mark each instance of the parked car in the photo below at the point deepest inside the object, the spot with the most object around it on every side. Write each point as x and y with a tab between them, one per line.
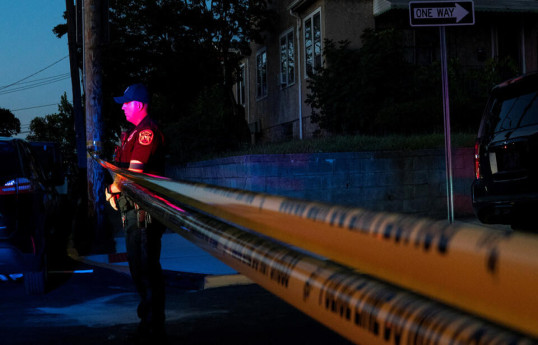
28	208
50	157
505	190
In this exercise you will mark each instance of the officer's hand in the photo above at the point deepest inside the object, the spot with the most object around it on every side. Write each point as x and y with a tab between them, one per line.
111	198
107	194
112	202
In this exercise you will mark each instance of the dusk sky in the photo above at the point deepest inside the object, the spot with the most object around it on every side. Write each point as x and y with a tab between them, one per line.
34	63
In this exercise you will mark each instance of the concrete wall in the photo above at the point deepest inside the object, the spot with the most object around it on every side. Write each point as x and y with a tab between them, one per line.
407	182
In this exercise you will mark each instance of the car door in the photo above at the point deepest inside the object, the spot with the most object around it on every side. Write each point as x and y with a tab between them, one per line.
11	175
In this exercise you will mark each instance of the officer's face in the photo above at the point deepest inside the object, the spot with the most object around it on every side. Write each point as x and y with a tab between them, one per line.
133	112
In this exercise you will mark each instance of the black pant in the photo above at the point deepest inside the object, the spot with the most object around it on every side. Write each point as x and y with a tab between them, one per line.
143	242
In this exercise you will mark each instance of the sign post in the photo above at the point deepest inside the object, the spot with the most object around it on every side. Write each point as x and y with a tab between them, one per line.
441	14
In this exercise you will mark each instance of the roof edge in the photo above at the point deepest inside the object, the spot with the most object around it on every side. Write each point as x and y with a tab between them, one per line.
297	5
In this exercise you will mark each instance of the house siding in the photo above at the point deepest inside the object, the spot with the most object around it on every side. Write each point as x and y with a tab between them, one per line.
347	20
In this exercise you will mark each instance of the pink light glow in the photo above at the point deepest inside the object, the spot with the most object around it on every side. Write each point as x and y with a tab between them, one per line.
157	176
168	203
135	111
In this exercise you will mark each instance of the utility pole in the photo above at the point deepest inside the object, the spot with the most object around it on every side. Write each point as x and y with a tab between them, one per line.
75	85
78	187
93	38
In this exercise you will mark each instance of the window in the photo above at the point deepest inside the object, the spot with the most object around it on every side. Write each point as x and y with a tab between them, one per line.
515	111
287	59
312	42
240	86
261	74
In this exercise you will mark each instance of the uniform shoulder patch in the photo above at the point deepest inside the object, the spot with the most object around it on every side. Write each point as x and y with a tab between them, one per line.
145	137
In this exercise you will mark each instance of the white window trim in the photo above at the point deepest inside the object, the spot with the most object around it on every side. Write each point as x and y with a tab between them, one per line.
311	16
284	81
258	53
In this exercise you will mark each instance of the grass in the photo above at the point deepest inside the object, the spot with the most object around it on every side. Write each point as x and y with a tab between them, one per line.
357	143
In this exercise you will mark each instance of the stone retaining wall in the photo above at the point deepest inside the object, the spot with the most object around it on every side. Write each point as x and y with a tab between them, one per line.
406	182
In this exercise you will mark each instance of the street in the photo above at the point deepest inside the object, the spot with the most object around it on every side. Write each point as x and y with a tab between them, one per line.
100	308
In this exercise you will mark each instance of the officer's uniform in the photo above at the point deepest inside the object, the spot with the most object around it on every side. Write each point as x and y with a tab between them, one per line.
144	143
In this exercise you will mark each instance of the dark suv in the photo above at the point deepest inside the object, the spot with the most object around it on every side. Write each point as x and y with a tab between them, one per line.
28	208
505	190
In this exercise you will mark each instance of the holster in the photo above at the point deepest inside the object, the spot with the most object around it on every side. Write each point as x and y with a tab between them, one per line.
143	218
124	204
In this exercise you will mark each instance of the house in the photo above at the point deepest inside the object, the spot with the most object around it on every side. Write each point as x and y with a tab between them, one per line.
274	78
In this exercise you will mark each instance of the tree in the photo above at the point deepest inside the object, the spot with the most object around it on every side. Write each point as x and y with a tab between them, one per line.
180	49
57	127
9	124
222	128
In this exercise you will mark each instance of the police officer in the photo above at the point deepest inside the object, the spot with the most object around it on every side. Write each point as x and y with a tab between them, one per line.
142	151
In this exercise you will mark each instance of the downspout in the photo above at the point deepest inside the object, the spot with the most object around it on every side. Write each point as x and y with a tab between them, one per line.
523	52
494	41
247	88
299	76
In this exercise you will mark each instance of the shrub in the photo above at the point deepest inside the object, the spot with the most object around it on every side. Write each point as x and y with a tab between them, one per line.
214	124
373	90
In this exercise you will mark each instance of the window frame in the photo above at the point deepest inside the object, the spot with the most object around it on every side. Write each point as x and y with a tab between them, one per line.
261	85
317	43
287	77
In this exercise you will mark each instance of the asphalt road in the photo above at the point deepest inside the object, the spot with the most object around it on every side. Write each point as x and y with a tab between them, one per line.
99	308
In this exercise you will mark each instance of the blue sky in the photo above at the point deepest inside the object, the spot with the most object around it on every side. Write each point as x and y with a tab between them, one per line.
28	47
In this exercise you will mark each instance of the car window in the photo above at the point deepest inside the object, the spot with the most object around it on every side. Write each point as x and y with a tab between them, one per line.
514	112
31	165
10	166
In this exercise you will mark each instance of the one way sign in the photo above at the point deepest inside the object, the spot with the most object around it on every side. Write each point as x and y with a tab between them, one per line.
441	13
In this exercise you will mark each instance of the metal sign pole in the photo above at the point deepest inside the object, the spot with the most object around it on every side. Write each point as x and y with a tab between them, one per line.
446	114
443	13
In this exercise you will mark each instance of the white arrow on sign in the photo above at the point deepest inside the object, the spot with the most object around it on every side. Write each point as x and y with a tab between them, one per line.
457	12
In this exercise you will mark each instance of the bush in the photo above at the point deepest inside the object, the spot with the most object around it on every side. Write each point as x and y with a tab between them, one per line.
213	125
355	143
413	117
348	92
373	90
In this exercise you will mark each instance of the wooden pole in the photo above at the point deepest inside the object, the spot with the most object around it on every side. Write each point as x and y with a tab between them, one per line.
75	84
93	34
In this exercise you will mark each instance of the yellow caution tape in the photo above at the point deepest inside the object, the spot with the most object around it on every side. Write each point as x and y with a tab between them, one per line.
358	307
485	272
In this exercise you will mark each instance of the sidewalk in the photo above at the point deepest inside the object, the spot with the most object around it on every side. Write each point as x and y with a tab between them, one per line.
183	262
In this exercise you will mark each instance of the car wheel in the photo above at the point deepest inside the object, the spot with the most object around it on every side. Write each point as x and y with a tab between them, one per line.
34	282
